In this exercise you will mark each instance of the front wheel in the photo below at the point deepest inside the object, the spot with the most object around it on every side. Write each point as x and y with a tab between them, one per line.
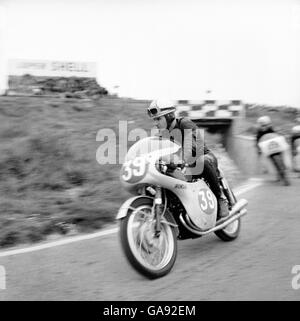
231	231
151	255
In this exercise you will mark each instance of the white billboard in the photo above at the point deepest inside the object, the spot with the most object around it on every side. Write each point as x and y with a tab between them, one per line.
3	71
18	67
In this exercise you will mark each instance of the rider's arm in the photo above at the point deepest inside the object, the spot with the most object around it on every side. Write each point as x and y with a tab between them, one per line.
258	135
192	141
293	147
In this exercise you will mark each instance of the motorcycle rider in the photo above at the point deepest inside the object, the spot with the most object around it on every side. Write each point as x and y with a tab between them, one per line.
163	115
265	127
295	138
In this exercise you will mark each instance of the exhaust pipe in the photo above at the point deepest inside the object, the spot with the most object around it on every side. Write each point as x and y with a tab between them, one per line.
233	215
217	227
236	208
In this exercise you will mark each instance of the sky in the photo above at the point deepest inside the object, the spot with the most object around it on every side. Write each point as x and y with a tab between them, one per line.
176	49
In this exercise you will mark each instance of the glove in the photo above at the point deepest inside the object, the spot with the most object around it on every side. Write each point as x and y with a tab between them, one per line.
173	161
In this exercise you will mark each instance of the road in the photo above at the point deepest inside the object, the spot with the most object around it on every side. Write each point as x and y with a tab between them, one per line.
256	266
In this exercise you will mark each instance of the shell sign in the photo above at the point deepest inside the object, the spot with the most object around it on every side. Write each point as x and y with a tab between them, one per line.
18	67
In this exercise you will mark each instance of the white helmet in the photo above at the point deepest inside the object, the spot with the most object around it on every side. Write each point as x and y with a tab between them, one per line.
264	121
296	129
160	108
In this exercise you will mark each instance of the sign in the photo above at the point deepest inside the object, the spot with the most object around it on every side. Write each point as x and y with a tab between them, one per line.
18	67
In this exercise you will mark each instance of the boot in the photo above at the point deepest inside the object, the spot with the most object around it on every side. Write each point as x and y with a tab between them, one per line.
223	210
286	182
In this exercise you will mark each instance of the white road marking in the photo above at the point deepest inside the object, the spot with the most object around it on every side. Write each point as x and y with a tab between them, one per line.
246	188
241	190
64	241
245	137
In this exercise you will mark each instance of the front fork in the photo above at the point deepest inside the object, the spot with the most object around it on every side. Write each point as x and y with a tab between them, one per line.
158	209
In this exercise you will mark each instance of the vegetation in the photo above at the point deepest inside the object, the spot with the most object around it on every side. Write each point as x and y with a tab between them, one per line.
50	181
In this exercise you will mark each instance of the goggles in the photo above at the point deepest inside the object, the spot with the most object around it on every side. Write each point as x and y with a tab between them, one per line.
156	112
153	112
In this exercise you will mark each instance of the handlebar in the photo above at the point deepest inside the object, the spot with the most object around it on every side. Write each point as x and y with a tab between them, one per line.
172	165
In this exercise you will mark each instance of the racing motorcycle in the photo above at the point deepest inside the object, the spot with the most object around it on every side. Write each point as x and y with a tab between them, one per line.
296	149
274	147
296	158
165	209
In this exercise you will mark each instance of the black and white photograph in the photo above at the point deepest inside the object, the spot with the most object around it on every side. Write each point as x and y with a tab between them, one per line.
149	152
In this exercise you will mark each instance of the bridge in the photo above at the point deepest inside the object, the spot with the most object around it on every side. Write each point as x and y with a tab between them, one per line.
222	116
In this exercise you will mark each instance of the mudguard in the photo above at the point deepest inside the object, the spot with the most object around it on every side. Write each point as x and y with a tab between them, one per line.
127	204
123	211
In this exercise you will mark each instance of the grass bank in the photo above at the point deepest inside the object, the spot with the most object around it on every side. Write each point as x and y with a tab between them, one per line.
50	181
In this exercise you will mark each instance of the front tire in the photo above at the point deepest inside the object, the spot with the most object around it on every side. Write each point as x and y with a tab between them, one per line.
151	256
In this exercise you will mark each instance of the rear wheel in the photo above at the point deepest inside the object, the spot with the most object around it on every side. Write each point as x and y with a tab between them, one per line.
231	231
280	167
151	255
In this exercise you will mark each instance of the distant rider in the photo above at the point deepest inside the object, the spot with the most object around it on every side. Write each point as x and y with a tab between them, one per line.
265	127
163	115
295	146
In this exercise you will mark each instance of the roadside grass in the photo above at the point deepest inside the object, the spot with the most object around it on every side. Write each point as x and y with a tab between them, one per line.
50	181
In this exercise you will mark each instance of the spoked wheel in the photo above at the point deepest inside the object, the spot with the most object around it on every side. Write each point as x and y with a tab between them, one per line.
150	254
231	231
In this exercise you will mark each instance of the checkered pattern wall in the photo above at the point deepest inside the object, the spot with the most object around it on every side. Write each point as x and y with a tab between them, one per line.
196	109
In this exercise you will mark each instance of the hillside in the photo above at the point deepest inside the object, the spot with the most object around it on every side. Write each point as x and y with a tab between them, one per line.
64	87
50	181
283	118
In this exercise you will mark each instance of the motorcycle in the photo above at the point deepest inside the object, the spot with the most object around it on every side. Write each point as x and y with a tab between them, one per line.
274	148
297	158
296	149
165	209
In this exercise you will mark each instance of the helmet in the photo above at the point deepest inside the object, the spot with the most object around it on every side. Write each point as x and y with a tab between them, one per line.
160	108
296	129
264	121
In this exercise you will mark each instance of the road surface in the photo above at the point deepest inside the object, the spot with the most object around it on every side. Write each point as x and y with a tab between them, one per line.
256	266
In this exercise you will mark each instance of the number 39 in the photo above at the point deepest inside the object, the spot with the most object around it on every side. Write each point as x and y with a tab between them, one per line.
206	200
134	168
